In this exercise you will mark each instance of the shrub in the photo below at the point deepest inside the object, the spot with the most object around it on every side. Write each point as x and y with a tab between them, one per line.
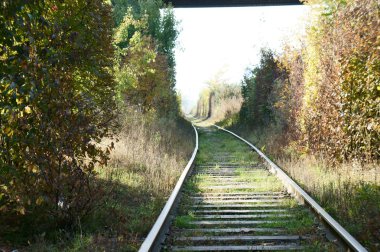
56	103
257	87
342	80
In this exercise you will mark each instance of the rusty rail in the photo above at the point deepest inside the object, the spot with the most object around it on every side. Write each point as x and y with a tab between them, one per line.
157	234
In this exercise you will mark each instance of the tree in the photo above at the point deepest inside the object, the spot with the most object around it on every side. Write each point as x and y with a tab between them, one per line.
145	59
57	102
257	86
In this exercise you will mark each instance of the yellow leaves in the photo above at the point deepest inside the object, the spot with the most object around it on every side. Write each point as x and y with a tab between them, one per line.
122	34
28	110
19	101
39	200
8	131
32	168
21	210
4	188
35	97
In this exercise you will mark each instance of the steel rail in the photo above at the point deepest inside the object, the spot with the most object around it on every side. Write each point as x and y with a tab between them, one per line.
294	188
157	234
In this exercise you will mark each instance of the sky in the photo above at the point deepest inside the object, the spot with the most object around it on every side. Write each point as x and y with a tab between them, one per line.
227	41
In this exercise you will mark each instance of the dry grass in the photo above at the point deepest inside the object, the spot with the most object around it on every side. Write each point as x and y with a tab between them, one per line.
145	165
156	152
143	170
350	192
314	169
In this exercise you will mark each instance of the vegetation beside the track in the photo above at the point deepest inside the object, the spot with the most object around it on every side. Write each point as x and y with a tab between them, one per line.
141	174
92	139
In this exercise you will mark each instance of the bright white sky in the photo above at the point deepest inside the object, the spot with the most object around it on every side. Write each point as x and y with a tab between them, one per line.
228	40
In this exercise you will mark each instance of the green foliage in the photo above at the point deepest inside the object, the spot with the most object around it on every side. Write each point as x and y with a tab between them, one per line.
120	7
257	88
161	27
184	221
167	39
56	103
144	70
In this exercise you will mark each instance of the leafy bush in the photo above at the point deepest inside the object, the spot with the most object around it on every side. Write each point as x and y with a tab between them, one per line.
342	80
56	104
257	87
145	40
142	73
324	96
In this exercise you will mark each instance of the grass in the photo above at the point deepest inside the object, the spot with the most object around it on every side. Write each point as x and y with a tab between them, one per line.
351	196
183	221
349	191
144	167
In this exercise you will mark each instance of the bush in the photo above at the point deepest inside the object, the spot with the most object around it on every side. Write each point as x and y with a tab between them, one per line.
324	96
342	80
257	88
56	104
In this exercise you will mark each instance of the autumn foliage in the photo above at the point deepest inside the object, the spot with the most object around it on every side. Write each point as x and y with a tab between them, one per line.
75	76
145	67
67	68
323	96
142	71
57	102
342	98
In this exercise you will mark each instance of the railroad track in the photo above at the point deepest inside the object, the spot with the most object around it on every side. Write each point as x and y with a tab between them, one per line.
232	199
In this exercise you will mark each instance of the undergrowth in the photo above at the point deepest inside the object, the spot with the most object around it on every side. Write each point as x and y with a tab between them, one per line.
147	160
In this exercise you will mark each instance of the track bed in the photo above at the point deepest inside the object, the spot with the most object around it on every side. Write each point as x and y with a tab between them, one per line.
231	202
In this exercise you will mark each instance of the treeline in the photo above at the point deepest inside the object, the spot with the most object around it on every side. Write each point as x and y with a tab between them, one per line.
323	96
70	72
145	67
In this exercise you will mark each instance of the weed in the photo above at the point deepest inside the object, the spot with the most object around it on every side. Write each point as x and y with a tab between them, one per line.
184	221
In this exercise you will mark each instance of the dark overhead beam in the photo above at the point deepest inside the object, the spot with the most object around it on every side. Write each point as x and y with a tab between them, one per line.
229	3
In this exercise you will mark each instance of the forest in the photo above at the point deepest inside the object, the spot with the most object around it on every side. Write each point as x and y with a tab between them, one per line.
89	118
315	109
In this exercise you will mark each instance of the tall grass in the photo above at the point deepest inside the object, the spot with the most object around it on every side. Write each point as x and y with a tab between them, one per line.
156	150
349	191
145	164
225	108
